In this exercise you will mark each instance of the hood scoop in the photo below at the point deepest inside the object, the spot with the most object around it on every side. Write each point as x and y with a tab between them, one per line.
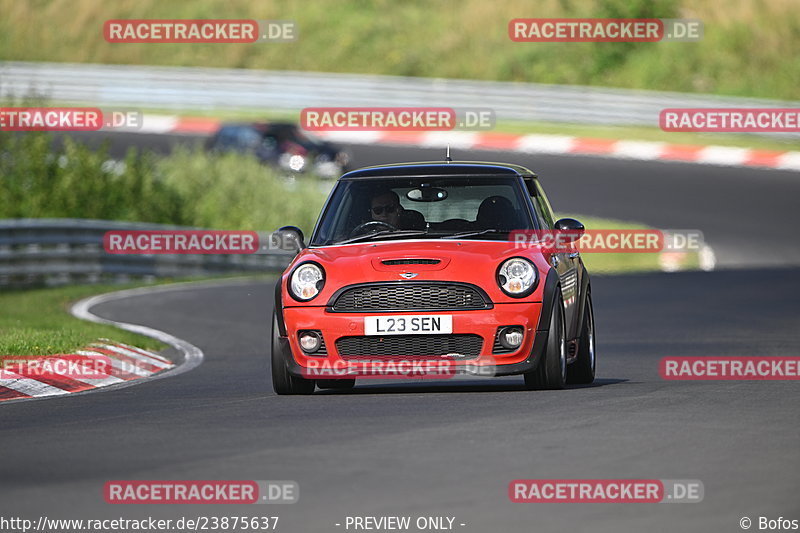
410	261
406	263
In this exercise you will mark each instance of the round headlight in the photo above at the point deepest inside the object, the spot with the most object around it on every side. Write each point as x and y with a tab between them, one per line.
306	281
517	277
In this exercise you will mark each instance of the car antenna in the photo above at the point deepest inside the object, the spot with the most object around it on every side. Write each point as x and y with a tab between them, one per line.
447	155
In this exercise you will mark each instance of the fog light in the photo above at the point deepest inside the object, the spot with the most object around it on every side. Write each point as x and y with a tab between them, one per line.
511	338
310	341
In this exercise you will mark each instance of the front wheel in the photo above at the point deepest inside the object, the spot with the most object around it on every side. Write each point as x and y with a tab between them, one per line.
582	371
551	373
282	381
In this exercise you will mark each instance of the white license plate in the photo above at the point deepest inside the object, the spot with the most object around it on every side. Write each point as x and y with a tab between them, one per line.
408	325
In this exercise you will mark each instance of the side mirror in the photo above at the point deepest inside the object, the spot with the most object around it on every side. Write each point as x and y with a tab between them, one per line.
570	228
288	239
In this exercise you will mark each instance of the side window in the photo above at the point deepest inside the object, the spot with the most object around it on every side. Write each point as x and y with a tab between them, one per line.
248	138
543	207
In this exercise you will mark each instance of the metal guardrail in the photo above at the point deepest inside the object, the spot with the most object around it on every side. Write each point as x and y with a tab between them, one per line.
191	88
58	251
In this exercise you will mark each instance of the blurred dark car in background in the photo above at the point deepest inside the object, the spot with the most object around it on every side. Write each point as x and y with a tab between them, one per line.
283	145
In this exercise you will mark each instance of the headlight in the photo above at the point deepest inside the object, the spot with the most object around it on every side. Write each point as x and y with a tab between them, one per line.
297	163
306	281
517	277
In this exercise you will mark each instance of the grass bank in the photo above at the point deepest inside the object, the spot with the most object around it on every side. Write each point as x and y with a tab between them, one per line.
749	46
37	322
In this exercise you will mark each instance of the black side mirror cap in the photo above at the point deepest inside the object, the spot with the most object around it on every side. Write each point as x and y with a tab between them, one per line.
569	224
288	239
573	229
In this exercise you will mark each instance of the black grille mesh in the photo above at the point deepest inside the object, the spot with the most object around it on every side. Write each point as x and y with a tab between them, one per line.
497	347
409	297
467	345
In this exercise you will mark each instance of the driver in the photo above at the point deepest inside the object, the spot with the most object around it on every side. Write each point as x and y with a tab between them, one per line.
386	208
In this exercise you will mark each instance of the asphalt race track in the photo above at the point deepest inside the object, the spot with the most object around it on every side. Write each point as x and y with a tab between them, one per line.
450	448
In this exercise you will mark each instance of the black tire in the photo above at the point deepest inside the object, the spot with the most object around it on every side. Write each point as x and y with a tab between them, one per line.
282	381
339	384
551	373
582	370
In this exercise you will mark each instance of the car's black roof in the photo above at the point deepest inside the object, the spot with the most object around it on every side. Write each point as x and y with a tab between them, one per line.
439	169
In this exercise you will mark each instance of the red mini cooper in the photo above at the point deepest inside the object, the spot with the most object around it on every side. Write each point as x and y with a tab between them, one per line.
412	271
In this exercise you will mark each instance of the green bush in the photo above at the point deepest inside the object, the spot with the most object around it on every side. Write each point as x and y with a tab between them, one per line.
188	187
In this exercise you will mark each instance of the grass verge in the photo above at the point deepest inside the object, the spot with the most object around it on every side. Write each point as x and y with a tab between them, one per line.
748	46
38	321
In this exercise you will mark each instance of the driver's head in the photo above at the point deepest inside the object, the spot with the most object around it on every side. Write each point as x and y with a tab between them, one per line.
385	207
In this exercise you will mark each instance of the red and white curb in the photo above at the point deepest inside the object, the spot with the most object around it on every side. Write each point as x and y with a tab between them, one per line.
127	363
149	366
566	145
531	144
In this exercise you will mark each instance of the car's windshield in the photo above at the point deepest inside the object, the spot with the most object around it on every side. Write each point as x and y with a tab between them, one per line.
392	208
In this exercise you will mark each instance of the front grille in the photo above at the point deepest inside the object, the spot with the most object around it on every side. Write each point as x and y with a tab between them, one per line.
466	345
407	296
411	261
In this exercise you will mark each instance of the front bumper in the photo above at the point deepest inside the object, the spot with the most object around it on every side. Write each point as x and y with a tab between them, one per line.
484	323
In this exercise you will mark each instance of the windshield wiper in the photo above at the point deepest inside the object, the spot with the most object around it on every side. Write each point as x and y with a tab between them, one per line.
384	233
465	234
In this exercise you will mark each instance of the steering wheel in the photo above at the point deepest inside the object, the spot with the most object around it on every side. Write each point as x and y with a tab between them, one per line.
371	226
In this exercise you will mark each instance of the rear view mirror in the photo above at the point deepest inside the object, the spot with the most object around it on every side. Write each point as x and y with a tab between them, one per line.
426	194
